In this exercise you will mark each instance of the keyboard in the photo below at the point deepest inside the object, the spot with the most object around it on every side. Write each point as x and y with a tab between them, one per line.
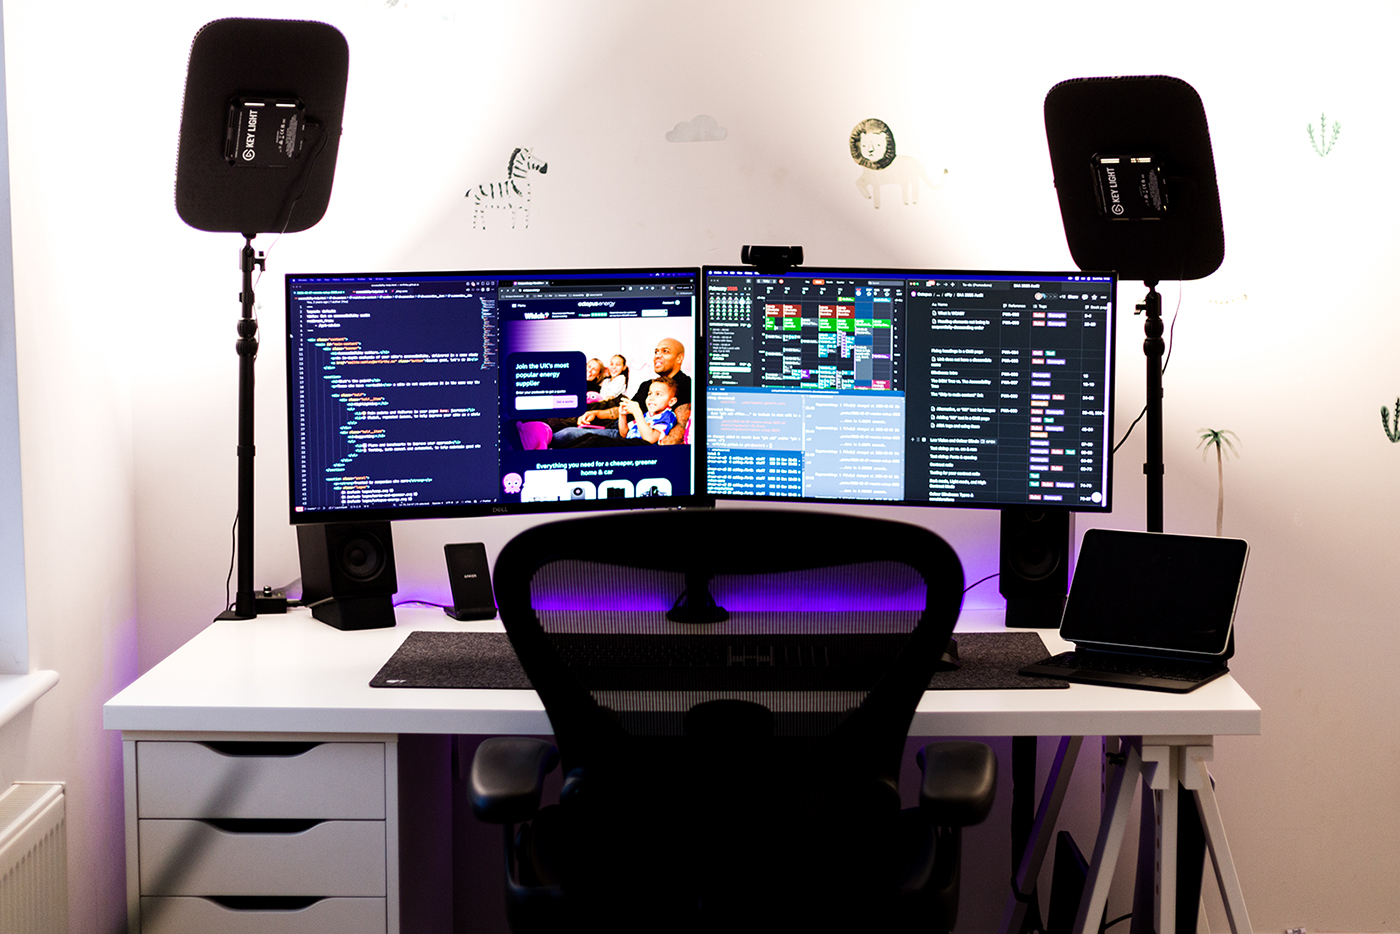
739	662
691	652
1134	671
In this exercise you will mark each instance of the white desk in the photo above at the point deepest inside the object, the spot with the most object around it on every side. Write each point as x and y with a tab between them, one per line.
293	677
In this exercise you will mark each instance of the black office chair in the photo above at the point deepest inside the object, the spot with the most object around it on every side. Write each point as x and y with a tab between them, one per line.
739	774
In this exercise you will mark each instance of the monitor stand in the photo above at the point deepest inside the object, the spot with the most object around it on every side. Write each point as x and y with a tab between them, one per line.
696	604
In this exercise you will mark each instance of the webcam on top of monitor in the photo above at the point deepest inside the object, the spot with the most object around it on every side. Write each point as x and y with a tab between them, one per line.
771	260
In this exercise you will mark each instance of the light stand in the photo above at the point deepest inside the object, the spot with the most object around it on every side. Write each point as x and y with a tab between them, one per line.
1153	347
245	601
259	134
1136	183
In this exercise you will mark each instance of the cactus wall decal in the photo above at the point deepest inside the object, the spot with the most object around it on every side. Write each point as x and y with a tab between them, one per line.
1320	143
1218	438
1393	435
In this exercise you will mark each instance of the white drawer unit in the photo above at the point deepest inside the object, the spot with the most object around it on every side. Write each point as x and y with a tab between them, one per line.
191	857
206	916
251	780
261	834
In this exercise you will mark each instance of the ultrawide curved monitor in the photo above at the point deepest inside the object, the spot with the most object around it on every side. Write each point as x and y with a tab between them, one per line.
440	394
910	387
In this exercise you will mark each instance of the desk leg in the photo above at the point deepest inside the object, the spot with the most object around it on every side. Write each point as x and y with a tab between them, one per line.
1160	766
1110	840
393	809
1056	784
1024	751
1196	778
133	853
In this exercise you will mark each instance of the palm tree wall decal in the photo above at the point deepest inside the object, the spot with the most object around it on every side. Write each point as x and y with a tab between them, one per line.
1218	438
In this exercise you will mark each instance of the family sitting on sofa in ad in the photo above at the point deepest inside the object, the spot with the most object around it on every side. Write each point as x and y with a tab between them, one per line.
658	412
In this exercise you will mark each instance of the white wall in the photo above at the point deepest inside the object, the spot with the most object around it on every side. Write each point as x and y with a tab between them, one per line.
128	378
72	324
14	623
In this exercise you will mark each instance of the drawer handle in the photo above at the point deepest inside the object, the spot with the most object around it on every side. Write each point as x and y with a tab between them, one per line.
266	825
265	902
259	748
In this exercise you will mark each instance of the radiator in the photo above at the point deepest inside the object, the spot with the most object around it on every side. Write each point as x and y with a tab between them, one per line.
33	859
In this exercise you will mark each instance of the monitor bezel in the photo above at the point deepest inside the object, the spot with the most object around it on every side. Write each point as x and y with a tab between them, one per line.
695	498
909	273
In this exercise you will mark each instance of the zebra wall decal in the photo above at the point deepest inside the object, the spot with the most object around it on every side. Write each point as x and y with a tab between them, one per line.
512	194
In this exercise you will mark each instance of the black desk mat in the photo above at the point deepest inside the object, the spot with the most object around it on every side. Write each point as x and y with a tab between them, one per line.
990	660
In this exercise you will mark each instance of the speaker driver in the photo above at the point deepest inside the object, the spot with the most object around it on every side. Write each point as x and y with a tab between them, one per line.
1032	557
362	558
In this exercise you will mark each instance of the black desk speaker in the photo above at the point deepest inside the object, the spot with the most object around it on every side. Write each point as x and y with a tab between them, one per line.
347	573
1035	552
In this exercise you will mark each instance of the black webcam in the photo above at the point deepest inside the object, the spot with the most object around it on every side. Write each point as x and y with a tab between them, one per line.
771	260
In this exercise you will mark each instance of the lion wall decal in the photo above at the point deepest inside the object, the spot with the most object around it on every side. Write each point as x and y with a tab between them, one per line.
873	149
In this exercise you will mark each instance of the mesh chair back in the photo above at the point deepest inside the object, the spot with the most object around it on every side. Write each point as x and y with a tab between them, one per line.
792	711
829	615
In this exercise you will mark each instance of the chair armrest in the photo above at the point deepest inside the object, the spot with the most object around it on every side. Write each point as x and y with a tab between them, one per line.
960	782
507	778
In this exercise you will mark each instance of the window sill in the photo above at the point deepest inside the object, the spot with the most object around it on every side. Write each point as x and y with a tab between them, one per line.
17	692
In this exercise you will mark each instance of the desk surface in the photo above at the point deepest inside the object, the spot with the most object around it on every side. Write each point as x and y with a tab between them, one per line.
293	674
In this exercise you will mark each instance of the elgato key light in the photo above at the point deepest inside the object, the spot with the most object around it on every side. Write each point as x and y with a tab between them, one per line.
260	128
1136	182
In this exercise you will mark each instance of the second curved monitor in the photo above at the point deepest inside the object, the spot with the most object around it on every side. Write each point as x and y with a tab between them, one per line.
914	387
